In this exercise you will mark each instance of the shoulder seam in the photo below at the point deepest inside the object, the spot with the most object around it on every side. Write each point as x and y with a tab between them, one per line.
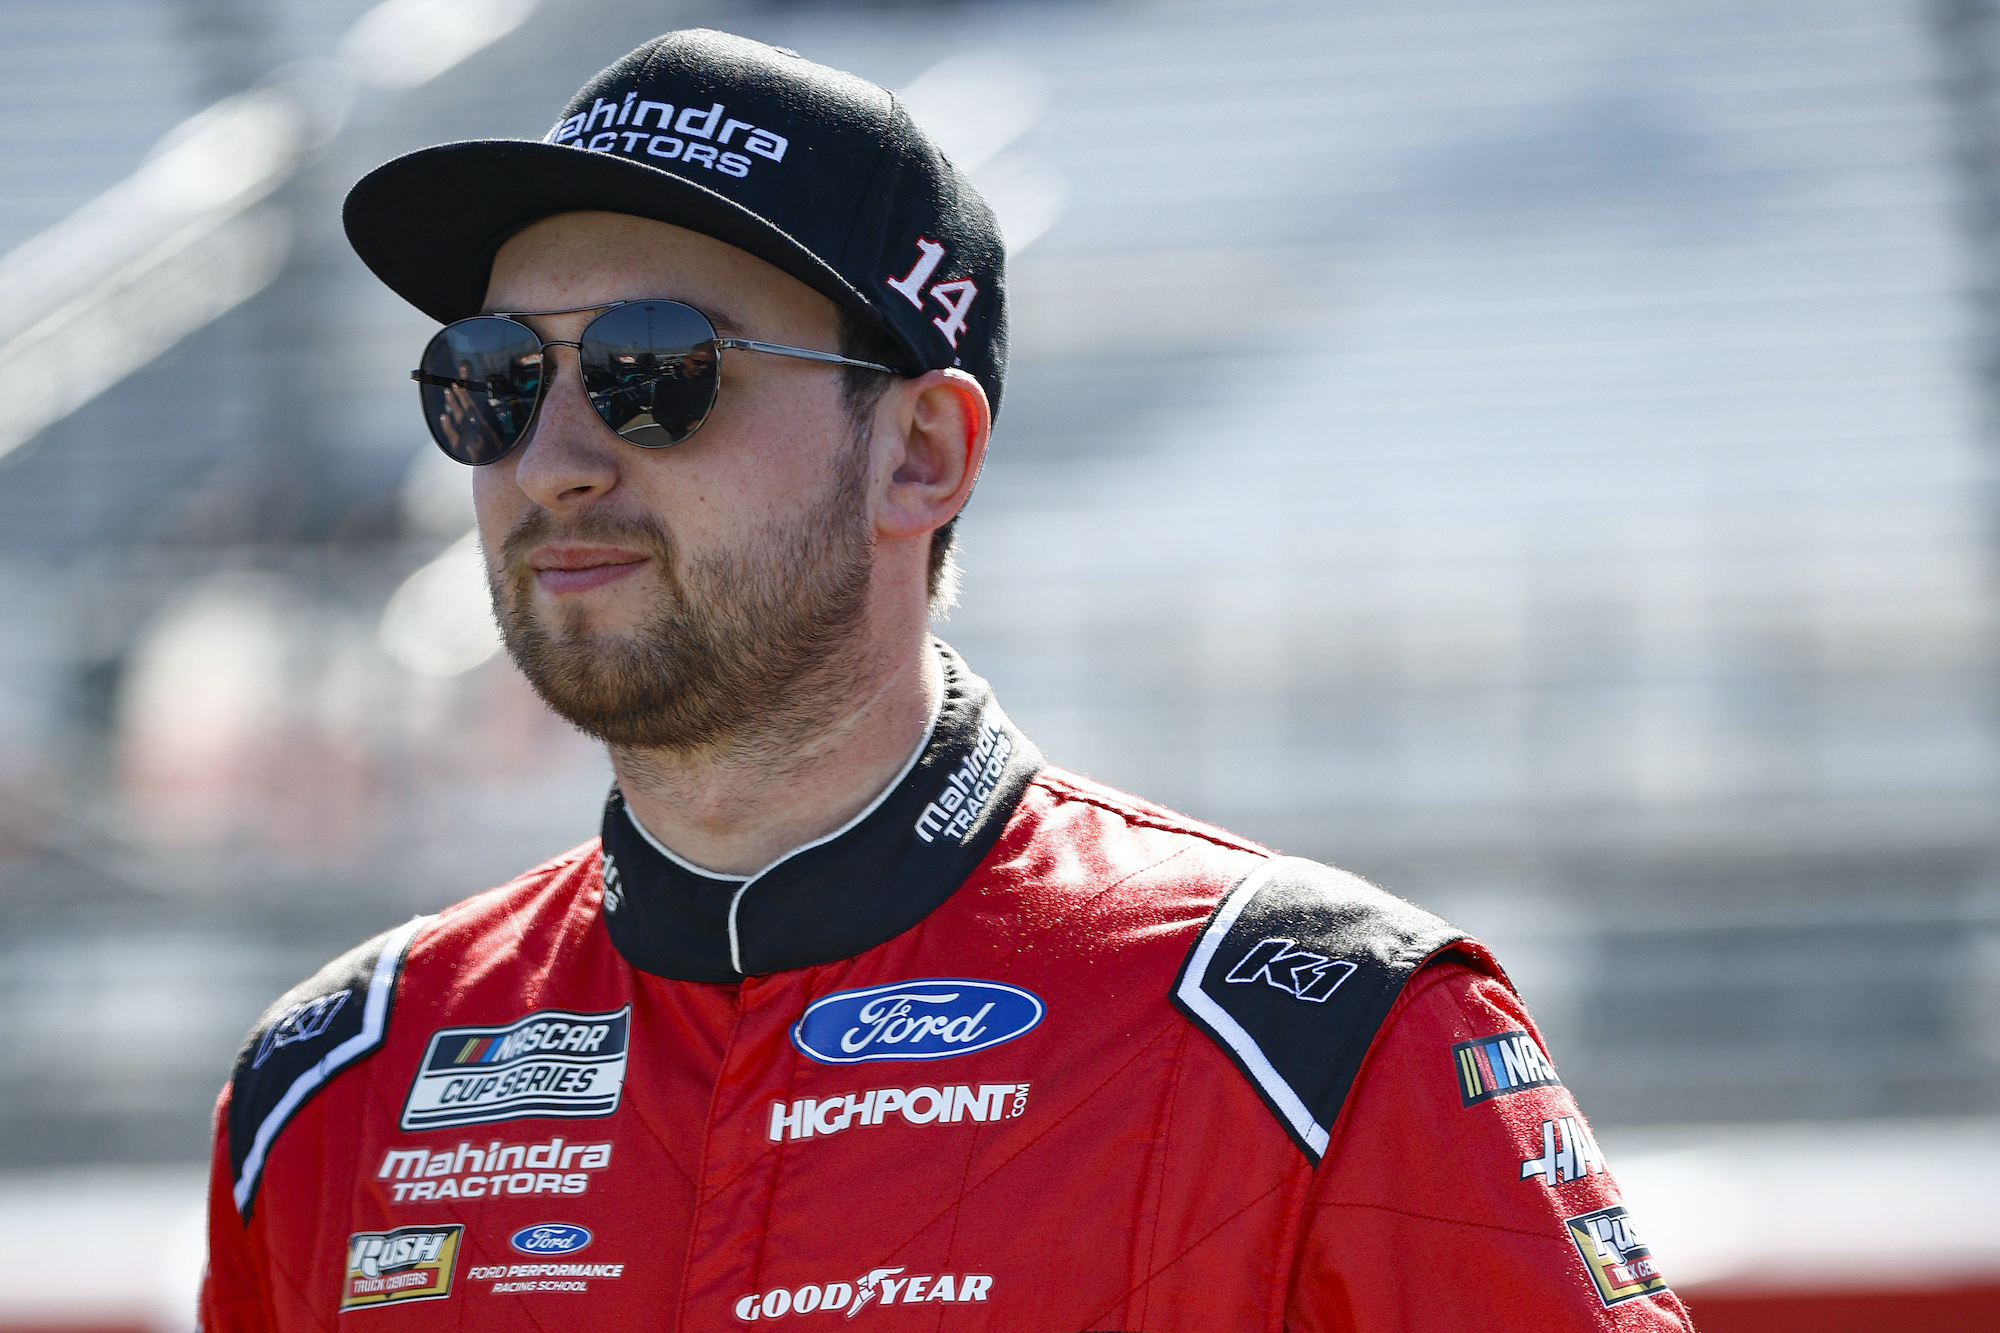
1430	1217
1062	790
1435	972
1304	930
1430	976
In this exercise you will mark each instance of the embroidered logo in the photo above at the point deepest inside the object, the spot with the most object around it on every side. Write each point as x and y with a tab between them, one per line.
550	1238
697	136
550	1063
407	1264
1577	1158
302	1022
918	1106
877	1285
1298	972
473	1172
1620	1262
955	295
522	1279
968	787
614	888
931	1019
1495	1066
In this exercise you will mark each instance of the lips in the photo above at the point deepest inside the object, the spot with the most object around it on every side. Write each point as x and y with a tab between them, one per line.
576	569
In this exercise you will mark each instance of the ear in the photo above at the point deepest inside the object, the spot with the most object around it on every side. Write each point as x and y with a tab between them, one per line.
939	423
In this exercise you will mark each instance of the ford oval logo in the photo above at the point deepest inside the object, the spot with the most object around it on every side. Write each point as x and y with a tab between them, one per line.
550	1238
930	1019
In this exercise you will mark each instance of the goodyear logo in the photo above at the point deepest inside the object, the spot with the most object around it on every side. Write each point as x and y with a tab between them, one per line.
1495	1066
1620	1262
407	1264
550	1063
881	1284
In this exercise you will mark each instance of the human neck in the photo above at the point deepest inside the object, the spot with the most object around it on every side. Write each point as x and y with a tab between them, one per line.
734	811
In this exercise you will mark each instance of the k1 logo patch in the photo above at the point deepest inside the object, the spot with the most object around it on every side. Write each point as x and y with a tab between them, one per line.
407	1264
302	1022
1293	976
550	1063
1620	1263
1495	1066
931	1019
1300	973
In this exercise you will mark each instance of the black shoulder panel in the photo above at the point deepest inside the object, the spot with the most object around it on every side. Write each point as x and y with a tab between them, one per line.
1293	976
313	1030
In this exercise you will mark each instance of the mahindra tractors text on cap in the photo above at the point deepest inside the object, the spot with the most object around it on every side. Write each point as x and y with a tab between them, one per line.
818	172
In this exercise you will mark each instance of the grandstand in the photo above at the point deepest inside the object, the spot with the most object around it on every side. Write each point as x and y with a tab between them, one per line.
1535	456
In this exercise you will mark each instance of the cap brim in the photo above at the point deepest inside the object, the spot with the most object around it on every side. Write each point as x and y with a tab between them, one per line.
430	222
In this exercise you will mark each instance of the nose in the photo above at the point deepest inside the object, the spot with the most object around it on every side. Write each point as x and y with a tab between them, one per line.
569	456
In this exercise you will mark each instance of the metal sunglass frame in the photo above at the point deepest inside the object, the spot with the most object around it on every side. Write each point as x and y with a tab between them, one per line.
719	344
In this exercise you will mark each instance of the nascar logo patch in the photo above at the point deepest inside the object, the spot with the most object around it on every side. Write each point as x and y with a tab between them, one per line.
1495	1066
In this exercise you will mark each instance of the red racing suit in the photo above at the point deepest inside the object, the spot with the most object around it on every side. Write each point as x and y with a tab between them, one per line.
1010	1051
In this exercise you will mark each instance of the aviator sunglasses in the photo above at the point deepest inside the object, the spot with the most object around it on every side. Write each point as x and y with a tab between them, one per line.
652	369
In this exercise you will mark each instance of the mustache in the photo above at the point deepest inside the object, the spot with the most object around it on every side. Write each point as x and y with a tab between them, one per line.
645	533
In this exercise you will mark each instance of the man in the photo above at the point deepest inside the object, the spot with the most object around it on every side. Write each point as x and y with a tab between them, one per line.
857	1009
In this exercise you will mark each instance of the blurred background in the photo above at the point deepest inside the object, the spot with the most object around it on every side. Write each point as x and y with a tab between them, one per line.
1538	456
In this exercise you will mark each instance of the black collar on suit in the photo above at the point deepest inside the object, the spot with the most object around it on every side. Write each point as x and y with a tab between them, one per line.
843	894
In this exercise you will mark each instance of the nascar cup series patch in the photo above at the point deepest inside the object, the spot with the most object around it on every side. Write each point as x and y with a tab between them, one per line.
550	1063
407	1264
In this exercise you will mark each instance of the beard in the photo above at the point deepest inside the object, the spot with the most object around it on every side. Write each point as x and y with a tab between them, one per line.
746	650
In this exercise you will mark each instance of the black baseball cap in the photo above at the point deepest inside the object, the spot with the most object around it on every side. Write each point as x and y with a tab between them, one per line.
818	172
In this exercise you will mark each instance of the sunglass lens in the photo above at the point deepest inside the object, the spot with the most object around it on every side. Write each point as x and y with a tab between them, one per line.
480	378
650	370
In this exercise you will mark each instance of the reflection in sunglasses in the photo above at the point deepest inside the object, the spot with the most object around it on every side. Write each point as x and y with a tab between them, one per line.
650	370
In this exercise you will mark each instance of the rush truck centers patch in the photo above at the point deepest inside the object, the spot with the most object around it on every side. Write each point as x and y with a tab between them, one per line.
551	1063
1619	1260
407	1264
